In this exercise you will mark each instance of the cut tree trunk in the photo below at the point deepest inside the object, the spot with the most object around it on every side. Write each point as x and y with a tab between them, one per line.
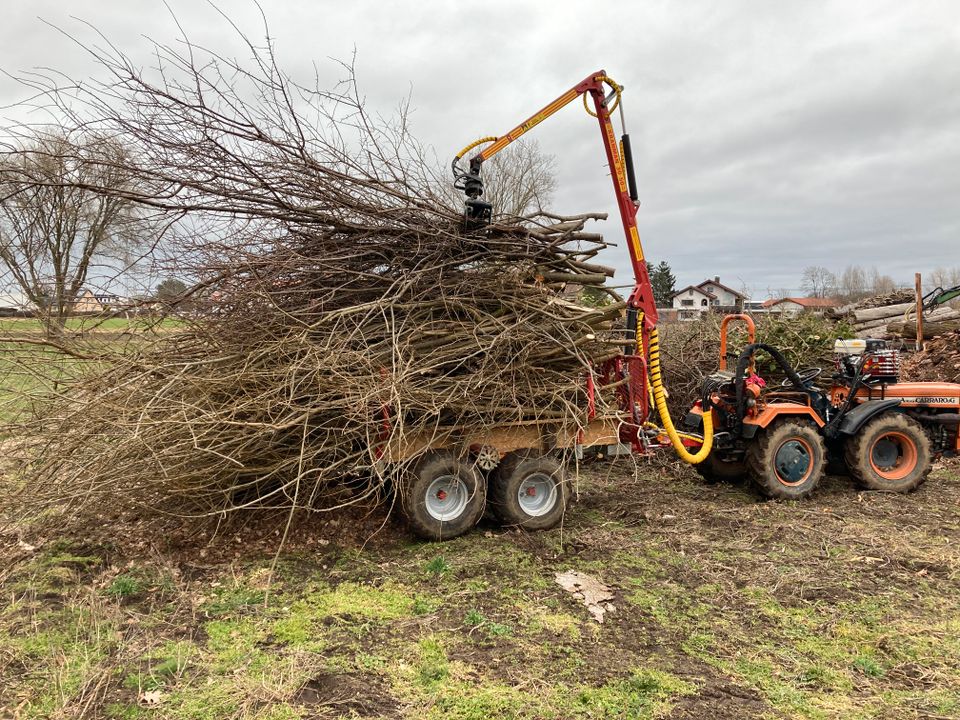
930	328
881	312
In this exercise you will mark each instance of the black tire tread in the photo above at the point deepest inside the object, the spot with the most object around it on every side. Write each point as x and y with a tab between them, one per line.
855	453
759	459
422	473
502	490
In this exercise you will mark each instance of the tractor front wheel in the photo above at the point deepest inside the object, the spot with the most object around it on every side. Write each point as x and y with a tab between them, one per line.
442	497
891	453
787	461
530	490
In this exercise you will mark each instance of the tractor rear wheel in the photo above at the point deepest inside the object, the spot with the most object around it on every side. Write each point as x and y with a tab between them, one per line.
715	470
530	490
891	453
787	461
442	497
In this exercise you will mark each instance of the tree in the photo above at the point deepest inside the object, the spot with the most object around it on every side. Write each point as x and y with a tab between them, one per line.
171	290
818	282
61	210
519	180
853	283
880	284
663	281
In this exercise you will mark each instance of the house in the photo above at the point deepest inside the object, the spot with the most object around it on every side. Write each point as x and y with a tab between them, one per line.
691	302
726	298
108	300
14	301
797	305
708	295
86	302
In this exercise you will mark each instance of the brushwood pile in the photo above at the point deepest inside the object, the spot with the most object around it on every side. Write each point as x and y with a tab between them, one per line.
338	307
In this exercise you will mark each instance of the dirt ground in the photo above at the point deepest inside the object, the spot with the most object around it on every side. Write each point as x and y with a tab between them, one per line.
843	606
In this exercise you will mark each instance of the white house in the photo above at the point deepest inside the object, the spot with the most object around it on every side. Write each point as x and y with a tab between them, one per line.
708	295
725	297
691	301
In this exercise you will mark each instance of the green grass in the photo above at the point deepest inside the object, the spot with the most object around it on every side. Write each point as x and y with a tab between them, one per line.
703	615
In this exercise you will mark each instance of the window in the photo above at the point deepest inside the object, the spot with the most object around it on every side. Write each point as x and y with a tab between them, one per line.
703	303
687	303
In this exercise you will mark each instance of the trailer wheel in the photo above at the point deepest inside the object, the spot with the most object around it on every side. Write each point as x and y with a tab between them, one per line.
442	497
787	461
714	470
530	490
891	453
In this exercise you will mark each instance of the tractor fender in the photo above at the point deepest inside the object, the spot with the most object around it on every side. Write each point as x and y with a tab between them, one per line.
856	418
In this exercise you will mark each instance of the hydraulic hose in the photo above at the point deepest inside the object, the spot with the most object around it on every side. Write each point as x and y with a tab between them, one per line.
656	381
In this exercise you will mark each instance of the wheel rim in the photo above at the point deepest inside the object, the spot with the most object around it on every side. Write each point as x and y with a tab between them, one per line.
893	456
537	494
447	498
793	462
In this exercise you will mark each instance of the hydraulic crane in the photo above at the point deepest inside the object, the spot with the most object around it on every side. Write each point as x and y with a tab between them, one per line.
641	358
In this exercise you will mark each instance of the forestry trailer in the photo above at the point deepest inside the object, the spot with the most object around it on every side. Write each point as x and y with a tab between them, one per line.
886	432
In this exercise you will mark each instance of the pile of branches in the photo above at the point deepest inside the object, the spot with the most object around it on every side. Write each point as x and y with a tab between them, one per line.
321	354
343	310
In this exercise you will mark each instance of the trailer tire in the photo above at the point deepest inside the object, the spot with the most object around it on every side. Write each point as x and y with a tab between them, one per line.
529	489
442	497
890	453
787	461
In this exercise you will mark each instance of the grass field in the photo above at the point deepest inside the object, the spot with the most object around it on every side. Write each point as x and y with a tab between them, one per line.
844	606
82	324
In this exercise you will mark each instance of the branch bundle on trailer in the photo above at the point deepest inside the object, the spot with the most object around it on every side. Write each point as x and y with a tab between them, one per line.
344	309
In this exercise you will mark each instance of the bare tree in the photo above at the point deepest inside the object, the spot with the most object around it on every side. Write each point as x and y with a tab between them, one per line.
520	180
60	216
818	282
880	284
853	283
943	277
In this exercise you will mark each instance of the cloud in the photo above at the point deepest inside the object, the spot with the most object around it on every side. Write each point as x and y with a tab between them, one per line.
767	136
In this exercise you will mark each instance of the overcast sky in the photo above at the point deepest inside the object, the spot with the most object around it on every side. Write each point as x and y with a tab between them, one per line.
767	136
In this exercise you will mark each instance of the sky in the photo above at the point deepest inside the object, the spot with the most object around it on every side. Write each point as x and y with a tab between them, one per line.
767	136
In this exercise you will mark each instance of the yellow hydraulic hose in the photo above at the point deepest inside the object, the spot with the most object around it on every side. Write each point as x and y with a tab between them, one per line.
656	382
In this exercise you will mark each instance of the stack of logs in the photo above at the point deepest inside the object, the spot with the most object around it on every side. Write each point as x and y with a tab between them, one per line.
894	315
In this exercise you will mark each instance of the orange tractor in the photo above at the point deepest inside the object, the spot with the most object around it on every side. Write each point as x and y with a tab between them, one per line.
886	432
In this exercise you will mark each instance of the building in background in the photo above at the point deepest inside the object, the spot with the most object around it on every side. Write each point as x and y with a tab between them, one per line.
708	296
797	305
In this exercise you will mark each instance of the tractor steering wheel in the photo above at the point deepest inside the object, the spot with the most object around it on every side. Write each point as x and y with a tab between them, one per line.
806	375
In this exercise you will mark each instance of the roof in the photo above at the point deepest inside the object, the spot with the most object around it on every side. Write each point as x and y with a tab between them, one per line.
721	285
806	302
695	289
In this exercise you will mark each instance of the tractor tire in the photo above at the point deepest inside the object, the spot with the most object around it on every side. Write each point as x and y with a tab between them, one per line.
530	490
788	460
891	453
442	497
714	470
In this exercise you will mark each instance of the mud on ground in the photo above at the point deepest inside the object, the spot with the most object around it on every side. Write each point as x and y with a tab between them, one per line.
725	606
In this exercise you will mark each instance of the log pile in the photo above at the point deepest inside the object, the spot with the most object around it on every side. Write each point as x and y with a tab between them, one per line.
893	315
